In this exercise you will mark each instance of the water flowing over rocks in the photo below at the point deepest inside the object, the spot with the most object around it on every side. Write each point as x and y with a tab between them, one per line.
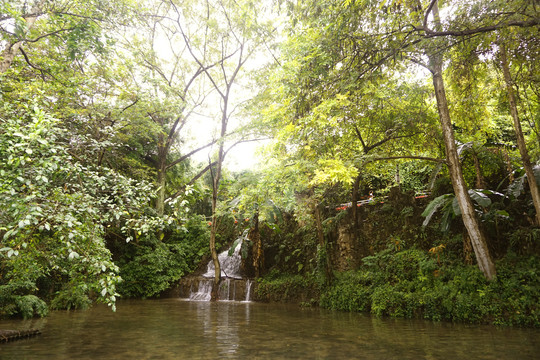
233	287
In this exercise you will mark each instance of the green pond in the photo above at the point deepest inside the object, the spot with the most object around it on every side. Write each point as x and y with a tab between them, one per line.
178	329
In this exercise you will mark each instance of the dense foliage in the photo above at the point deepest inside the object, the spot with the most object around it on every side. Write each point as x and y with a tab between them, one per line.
54	211
410	283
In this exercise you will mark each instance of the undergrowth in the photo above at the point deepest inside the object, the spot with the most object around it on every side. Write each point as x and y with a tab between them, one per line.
412	283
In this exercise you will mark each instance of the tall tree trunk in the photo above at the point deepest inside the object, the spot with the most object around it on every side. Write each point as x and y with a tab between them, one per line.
215	188
525	159
160	201
161	172
478	239
213	231
217	274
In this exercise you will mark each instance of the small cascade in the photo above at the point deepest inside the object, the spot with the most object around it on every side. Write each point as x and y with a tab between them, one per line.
232	288
248	291
225	290
203	292
230	265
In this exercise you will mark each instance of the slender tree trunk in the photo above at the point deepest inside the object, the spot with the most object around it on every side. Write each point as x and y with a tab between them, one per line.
161	173
508	166
213	250
215	188
258	252
217	266
160	201
478	239
525	159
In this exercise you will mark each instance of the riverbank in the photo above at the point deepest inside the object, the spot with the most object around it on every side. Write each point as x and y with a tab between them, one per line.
412	284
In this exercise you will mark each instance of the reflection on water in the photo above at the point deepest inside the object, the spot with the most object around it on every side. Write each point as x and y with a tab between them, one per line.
176	329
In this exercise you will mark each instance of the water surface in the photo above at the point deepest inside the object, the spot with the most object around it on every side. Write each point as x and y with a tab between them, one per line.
177	329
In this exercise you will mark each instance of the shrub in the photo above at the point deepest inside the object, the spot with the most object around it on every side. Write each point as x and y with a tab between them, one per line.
151	266
72	297
410	284
29	306
285	287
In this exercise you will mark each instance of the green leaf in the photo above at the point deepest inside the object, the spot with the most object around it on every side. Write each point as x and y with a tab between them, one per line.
433	206
455	207
480	198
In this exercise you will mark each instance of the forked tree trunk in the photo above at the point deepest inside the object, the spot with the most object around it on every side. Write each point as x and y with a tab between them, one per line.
525	159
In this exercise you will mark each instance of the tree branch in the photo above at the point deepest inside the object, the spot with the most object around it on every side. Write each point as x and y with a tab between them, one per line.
184	157
192	181
27	59
484	29
426	158
428	10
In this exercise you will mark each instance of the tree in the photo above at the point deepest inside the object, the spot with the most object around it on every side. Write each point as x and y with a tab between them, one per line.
525	158
331	125
470	220
414	32
56	210
78	25
238	33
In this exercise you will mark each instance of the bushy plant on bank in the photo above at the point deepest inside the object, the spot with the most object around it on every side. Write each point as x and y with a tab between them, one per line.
151	265
411	283
282	287
54	213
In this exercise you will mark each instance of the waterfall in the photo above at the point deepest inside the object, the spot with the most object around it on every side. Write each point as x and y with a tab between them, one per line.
232	286
225	289
230	265
248	290
203	292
